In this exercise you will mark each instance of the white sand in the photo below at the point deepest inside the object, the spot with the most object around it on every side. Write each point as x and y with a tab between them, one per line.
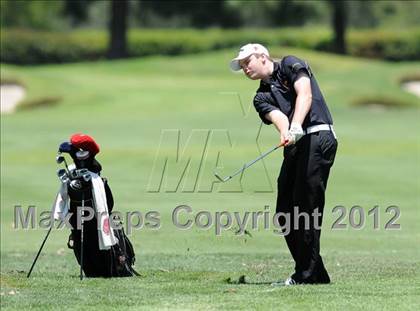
11	96
412	87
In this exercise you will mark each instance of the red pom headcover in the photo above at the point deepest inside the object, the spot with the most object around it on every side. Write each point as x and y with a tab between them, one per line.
85	142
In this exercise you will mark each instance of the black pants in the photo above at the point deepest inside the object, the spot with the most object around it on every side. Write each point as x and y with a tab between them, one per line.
301	188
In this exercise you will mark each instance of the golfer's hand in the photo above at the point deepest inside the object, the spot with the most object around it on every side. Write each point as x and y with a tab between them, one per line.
295	133
283	140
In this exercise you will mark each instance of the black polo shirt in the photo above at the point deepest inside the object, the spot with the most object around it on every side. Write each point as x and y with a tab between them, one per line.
279	94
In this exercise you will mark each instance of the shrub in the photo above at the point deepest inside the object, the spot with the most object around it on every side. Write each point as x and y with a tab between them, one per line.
388	45
20	46
29	47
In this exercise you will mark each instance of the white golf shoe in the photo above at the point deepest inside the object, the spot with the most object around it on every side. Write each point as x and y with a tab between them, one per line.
290	282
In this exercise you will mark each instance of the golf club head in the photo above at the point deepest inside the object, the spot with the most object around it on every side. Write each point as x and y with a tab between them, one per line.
59	159
220	178
62	175
87	177
65	147
83	171
61	172
76	184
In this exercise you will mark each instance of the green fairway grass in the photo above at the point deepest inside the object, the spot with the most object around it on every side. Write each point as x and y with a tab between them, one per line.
135	110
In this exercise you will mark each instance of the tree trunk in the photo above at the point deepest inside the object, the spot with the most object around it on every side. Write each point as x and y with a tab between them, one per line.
118	29
339	23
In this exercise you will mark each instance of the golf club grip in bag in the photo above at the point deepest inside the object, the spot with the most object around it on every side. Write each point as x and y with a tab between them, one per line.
118	261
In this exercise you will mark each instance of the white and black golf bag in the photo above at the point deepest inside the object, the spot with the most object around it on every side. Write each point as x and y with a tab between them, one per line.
116	261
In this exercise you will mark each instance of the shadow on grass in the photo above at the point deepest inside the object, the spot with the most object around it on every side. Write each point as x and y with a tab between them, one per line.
38	103
381	103
410	78
242	280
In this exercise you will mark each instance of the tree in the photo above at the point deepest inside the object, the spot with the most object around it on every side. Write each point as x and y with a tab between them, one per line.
117	47
339	24
188	13
42	15
77	10
291	12
118	13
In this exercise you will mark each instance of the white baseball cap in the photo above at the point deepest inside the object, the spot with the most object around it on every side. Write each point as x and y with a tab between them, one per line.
245	51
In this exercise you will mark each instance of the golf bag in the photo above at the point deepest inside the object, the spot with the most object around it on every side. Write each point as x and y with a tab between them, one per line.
118	260
115	262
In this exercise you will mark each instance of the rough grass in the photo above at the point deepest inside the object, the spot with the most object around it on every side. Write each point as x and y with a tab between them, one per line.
126	104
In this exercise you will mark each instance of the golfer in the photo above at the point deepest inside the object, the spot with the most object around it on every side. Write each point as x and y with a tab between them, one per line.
289	97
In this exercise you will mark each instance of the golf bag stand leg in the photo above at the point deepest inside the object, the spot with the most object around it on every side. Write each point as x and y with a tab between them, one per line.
39	251
81	236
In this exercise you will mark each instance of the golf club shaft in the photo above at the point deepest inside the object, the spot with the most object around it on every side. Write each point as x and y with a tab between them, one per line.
39	252
65	163
81	237
253	161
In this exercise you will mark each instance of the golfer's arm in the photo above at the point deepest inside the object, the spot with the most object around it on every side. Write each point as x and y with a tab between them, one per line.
279	119
303	99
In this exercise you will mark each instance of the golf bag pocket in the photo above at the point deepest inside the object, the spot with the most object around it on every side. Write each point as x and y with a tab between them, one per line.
123	257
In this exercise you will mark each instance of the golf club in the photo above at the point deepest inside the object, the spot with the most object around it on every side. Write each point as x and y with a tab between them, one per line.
76	184
62	175
246	165
60	159
87	177
66	147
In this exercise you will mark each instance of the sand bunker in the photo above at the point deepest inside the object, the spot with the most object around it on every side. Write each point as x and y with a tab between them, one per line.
11	96
412	87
